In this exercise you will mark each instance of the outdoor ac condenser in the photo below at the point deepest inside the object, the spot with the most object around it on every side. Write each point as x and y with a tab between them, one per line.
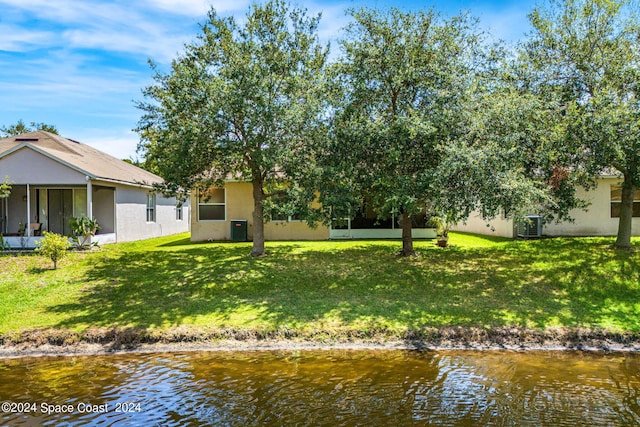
531	229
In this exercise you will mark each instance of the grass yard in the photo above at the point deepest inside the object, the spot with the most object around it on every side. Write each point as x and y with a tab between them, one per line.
328	286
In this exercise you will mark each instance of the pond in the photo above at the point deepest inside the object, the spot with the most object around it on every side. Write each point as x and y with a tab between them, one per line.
323	387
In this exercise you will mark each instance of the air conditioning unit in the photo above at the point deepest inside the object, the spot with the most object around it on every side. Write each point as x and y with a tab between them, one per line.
531	229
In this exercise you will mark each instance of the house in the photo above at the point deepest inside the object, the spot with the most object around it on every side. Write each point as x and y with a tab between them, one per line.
54	179
600	218
218	210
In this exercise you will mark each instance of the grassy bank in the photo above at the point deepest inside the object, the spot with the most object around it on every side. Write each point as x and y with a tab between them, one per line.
317	290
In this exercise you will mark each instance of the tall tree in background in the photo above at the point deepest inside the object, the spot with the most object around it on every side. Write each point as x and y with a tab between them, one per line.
406	80
20	127
243	101
585	54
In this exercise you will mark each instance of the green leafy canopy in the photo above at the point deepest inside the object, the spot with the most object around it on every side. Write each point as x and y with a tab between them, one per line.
242	102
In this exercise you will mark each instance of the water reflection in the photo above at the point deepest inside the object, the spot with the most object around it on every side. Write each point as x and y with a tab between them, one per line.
324	388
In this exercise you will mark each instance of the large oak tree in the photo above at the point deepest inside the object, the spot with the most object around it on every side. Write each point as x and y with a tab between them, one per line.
405	77
585	55
415	129
243	101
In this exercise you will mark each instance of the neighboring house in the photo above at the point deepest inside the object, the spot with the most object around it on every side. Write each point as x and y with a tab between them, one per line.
54	179
600	218
218	211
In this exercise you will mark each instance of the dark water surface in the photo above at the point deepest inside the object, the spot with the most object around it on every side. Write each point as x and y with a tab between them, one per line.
332	387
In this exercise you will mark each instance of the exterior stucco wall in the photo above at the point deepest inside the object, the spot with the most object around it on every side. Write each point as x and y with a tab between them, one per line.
239	206
496	227
131	215
26	166
294	230
595	221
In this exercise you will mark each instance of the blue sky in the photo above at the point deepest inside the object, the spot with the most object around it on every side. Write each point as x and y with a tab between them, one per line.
81	64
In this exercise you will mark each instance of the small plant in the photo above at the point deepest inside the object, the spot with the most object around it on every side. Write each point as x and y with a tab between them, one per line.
53	246
83	230
442	231
433	222
4	245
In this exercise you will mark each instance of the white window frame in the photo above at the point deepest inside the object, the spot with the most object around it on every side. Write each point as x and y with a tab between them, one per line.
224	204
636	199
151	207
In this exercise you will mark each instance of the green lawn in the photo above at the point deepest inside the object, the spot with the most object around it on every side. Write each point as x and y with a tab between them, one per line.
327	286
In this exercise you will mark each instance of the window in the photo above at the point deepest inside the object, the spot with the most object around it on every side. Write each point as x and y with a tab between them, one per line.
151	207
178	212
211	205
616	202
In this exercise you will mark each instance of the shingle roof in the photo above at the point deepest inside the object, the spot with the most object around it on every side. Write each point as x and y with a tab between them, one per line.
94	163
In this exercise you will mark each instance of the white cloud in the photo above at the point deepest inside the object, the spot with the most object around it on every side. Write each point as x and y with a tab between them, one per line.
16	38
509	25
113	27
198	8
119	143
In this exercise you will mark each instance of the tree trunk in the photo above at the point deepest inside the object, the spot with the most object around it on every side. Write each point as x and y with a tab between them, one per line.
258	219
623	241
407	240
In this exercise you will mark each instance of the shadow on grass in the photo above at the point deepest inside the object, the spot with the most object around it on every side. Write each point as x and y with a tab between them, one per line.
565	282
39	270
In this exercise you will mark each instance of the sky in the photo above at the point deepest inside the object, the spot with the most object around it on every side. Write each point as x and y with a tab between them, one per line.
81	65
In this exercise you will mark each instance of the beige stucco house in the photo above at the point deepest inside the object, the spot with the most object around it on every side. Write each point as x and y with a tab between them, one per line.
600	218
54	179
217	211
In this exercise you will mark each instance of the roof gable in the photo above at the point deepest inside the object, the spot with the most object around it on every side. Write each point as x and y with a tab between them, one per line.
83	158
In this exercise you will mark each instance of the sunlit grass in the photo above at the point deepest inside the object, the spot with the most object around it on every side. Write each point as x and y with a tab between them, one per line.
327	285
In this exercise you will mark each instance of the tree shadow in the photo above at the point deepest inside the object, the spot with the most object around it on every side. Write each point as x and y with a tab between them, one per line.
39	270
530	284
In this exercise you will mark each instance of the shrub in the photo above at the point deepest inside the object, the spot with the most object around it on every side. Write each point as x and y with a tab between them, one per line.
4	245
53	246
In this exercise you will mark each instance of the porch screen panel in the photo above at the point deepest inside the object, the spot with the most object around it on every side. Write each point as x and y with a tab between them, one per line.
60	203
79	202
43	209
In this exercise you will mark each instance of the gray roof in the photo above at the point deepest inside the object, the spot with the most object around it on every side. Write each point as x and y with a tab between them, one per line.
81	157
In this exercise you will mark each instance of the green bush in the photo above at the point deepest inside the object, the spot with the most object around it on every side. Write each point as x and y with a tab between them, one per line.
53	246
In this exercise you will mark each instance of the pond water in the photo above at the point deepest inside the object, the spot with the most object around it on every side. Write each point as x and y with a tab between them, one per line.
330	387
